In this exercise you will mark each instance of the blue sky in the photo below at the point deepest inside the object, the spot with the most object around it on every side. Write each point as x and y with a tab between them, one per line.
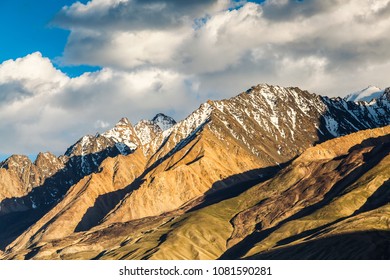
27	28
135	58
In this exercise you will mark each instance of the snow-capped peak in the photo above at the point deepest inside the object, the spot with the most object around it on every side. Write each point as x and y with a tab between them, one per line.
147	130
367	94
122	133
163	121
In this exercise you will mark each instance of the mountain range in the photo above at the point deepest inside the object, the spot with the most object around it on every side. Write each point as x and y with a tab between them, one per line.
273	173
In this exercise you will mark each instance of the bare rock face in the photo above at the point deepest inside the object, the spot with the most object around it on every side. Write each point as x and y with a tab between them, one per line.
48	164
131	174
20	175
90	145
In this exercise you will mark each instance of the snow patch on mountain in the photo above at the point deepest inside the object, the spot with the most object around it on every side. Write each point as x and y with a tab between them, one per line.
146	131
163	121
185	128
122	133
332	125
193	121
367	94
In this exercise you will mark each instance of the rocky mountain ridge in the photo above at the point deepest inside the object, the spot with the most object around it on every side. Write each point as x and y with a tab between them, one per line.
157	166
274	113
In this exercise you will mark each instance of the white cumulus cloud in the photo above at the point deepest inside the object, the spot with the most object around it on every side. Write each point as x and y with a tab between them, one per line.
274	41
43	109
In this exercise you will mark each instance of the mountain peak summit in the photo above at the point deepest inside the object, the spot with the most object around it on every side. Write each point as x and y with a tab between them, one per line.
163	121
123	121
159	115
367	94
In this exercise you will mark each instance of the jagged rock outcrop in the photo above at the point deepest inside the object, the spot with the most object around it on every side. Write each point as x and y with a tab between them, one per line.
19	175
122	139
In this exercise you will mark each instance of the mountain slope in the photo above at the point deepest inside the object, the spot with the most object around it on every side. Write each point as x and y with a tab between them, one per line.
336	188
216	153
267	125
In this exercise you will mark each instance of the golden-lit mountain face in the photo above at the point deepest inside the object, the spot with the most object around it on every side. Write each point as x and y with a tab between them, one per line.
266	174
